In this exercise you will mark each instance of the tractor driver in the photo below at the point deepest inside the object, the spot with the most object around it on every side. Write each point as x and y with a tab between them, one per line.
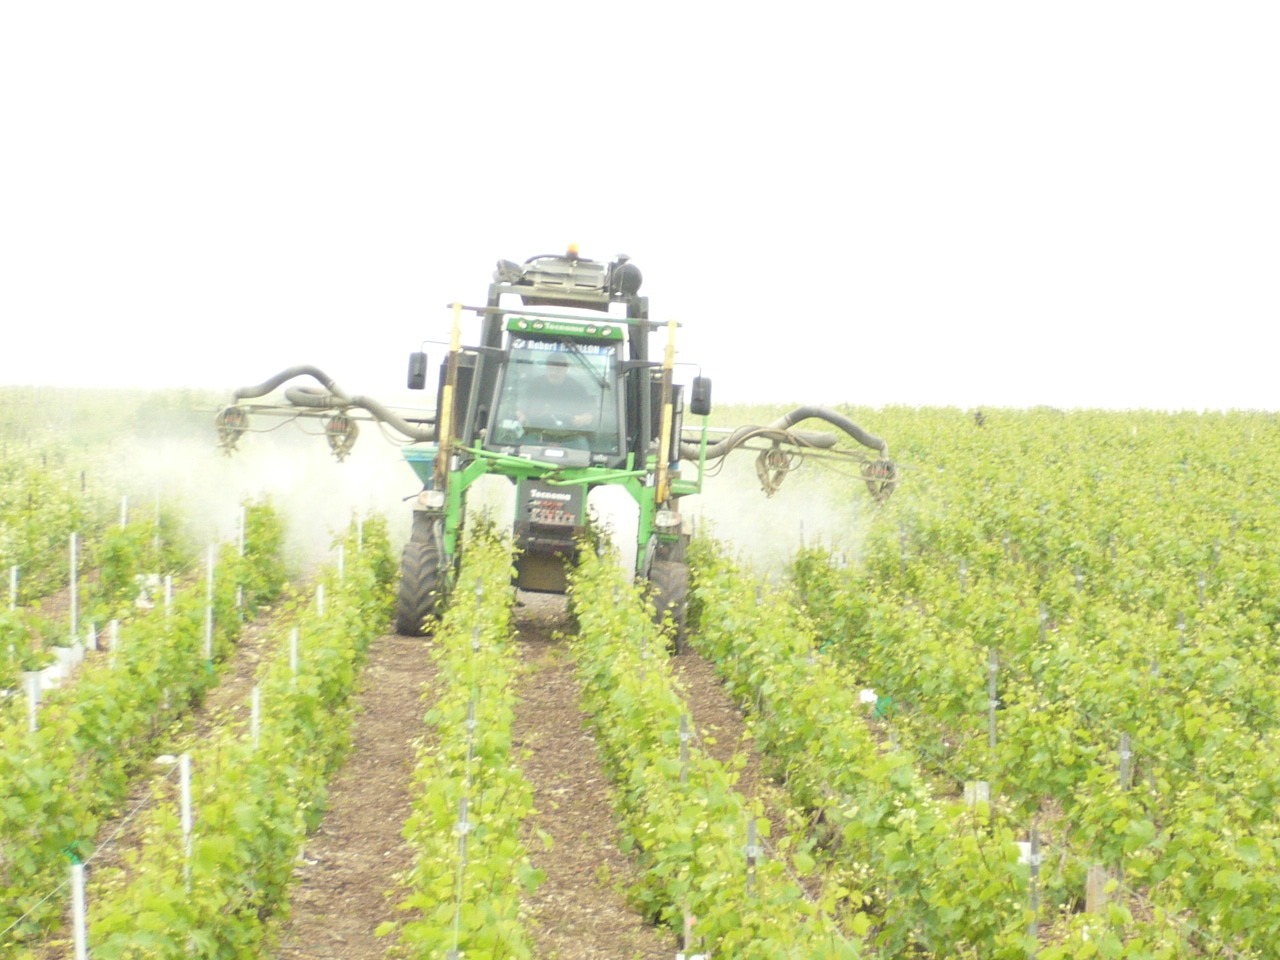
553	399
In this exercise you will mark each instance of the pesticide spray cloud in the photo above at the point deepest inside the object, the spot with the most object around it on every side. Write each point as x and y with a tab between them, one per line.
316	496
816	507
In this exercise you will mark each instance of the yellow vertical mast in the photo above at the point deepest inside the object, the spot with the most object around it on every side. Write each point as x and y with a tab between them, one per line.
668	415
444	416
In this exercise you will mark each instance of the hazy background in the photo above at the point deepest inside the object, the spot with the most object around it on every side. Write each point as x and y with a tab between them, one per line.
986	203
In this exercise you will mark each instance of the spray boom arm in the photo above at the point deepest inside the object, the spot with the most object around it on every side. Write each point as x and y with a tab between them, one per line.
787	447
308	401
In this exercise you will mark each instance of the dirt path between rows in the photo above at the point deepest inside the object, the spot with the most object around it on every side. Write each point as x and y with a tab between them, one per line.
350	864
580	910
722	734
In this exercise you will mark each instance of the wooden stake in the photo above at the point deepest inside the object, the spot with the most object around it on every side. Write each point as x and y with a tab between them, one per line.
1095	889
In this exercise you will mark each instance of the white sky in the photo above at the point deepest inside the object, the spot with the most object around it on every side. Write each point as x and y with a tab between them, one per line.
1009	204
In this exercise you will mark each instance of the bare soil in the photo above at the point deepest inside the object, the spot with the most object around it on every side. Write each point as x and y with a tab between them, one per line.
345	882
580	910
725	736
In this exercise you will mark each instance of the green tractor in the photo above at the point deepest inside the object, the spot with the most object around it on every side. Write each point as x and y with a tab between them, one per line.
561	395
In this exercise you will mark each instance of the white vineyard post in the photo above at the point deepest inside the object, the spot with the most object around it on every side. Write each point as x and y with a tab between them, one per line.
293	651
208	617
1150	768
684	748
471	737
255	715
475	638
686	940
184	778
964	571
1126	762
208	632
124	511
239	596
976	792
1033	892
752	852
32	678
80	933
992	702
760	688
463	828
75	587
92	642
168	593
320	599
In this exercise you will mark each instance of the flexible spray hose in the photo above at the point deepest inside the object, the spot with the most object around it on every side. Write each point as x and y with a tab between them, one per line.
332	397
780	429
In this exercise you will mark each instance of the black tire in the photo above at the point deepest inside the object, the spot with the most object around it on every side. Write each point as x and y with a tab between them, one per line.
422	584
669	589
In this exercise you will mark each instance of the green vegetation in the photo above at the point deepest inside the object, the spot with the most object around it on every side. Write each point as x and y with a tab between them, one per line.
254	798
470	868
687	826
62	781
1112	577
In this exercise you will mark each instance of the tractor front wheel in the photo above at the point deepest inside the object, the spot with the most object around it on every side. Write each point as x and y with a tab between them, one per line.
422	579
669	589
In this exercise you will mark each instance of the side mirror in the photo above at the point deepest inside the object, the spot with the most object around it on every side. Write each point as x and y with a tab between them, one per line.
417	370
700	398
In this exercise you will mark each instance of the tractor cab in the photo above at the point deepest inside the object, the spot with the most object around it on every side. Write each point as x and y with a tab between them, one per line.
558	400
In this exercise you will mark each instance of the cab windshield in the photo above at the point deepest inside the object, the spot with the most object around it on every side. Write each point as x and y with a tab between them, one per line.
560	395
